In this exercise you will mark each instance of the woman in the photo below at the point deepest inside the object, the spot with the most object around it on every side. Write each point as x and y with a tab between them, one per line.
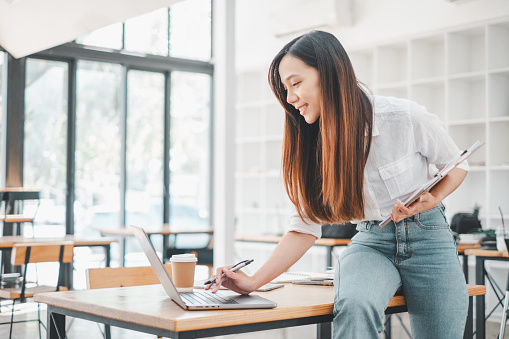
348	156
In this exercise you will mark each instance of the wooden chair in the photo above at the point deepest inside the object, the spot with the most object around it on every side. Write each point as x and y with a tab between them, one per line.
121	277
32	253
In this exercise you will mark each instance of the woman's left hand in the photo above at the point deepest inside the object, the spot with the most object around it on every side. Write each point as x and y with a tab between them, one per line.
425	202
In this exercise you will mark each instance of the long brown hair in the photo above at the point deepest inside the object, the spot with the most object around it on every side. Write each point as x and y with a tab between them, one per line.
323	163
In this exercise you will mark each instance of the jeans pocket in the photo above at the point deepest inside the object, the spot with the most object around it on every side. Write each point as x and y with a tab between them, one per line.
432	219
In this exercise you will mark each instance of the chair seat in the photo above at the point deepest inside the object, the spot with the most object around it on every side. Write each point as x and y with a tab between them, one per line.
15	293
16	218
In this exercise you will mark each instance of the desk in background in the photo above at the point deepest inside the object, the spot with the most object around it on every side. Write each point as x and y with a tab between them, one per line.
461	251
330	243
11	197
481	256
7	242
165	231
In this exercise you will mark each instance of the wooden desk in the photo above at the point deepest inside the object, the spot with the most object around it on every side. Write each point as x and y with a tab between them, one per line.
148	309
165	231
480	278
462	247
330	243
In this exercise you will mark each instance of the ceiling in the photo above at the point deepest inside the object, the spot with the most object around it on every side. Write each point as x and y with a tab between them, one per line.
30	26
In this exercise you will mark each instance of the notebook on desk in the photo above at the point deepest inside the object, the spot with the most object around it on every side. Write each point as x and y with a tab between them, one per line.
196	300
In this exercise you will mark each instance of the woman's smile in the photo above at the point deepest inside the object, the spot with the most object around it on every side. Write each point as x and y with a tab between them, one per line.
302	84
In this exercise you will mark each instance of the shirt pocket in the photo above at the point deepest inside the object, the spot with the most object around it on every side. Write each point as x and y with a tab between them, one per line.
397	176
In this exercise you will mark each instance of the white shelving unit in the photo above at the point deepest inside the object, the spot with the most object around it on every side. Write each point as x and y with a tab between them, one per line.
262	204
462	75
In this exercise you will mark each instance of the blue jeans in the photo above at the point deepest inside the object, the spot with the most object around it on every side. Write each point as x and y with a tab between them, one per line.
416	255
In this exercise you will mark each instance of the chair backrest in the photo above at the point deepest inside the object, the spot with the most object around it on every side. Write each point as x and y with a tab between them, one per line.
122	276
42	252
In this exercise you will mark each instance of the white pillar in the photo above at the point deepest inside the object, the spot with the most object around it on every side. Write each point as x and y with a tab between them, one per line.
224	130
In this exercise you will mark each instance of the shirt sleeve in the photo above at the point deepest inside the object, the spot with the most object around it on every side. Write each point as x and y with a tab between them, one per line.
304	226
431	138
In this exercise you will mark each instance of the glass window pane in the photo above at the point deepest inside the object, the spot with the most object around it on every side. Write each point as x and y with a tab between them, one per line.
45	147
190	29
98	147
108	37
145	142
189	150
2	65
148	33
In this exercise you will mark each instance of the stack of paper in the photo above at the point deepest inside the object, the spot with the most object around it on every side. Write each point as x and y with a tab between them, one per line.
293	276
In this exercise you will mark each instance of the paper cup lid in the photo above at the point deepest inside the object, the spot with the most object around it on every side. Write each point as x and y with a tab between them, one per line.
188	257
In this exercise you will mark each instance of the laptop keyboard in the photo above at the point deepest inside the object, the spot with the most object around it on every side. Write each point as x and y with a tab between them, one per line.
204	298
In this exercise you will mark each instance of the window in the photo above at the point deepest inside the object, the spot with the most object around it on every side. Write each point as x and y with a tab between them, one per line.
108	37
45	148
144	148
190	29
148	33
137	150
98	147
184	31
189	153
2	65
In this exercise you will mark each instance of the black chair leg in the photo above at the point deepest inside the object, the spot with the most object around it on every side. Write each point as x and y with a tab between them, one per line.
39	319
12	319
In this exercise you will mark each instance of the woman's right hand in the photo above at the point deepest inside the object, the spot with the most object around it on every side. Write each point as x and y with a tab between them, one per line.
237	281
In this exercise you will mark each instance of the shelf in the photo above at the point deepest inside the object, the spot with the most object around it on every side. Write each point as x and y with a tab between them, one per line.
249	157
499	192
391	63
460	74
467	98
363	66
259	174
248	123
470	193
467	122
498	86
399	92
427	57
466	50
274	120
259	139
466	135
250	89
432	96
498	53
499	143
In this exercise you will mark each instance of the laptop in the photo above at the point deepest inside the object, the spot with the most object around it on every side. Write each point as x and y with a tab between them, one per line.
196	300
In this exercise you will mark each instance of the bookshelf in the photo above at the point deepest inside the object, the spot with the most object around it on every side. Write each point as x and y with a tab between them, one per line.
461	74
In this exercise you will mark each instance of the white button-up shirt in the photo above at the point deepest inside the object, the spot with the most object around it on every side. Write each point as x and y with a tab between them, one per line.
408	145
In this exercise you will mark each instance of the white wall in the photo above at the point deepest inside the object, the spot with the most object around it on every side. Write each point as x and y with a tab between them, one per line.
374	21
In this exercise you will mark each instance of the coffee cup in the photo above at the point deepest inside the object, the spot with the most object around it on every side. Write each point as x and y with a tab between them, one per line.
182	270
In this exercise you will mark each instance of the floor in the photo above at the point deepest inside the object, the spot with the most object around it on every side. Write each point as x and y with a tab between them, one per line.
80	329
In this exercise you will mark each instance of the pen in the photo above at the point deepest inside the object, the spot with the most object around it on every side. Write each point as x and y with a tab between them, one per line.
233	269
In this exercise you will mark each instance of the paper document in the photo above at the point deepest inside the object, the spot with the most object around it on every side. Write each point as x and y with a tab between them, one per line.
288	277
427	186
